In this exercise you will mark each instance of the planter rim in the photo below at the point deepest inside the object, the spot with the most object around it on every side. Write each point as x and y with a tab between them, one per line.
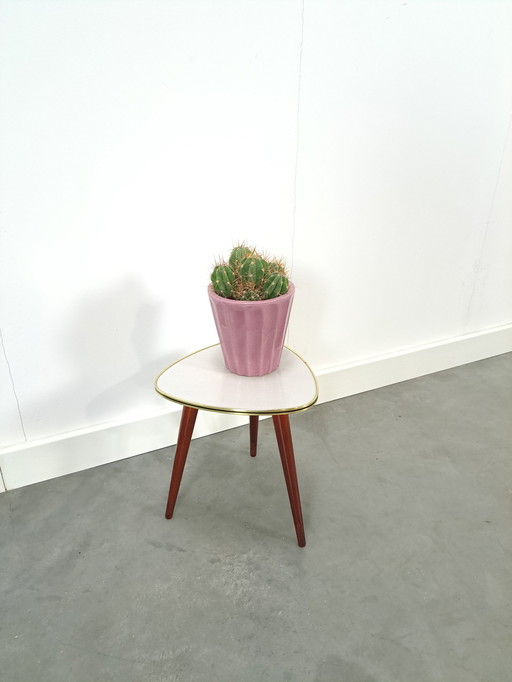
231	301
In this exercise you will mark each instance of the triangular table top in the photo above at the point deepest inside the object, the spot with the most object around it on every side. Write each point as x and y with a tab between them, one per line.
201	380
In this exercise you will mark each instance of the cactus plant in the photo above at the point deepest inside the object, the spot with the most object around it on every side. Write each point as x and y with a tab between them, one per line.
249	276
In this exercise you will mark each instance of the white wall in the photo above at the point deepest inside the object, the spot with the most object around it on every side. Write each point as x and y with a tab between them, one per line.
404	212
367	141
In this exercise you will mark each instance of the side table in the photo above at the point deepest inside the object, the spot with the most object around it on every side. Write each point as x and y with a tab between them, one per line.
200	381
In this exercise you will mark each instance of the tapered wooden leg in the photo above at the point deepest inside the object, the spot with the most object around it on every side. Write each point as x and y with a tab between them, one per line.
188	419
284	441
253	429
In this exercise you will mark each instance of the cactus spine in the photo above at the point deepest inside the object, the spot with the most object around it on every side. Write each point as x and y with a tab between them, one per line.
249	276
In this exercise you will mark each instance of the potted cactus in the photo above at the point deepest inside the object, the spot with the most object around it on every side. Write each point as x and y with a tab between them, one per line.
251	299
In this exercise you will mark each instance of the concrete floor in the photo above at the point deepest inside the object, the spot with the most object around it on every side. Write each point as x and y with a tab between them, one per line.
406	577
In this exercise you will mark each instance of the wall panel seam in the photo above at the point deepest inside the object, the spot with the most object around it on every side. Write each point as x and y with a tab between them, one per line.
13	384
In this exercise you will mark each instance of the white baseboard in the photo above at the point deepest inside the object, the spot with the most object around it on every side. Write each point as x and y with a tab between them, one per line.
370	373
67	453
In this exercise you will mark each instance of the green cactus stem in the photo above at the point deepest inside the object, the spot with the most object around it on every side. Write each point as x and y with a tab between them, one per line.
275	267
238	254
274	286
223	279
252	270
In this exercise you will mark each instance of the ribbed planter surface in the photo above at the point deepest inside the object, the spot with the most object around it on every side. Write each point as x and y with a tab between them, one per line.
251	333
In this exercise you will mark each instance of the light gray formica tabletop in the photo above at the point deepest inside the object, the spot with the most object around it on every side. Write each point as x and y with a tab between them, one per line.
201	380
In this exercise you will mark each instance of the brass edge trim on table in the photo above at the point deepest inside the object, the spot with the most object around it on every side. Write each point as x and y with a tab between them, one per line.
226	410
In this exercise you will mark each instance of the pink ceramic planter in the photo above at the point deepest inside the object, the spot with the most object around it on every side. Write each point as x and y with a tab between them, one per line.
252	333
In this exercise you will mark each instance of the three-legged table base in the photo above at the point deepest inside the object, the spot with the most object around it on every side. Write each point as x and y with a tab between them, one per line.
284	442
